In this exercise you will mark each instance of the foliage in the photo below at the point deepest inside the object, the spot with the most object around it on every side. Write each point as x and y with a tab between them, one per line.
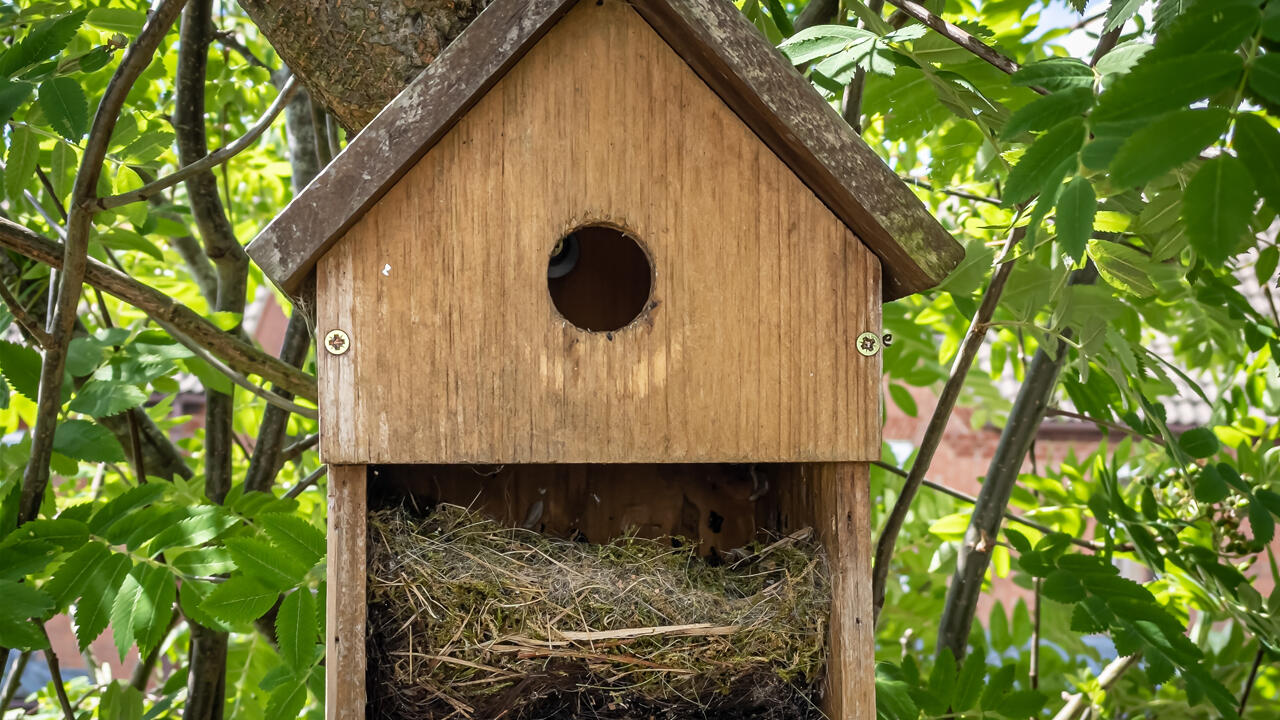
1157	162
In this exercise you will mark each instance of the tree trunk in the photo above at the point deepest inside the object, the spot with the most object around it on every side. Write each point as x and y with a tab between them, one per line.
356	55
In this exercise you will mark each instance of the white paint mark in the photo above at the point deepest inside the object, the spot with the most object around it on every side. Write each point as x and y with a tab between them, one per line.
386	270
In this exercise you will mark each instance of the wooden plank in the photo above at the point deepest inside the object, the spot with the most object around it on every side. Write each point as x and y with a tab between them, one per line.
727	52
288	248
345	604
835	499
745	354
762	87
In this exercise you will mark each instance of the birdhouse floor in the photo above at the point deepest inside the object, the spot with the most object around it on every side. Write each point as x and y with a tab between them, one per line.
468	618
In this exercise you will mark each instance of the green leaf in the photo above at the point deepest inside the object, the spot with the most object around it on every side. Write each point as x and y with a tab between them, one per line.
287	700
1218	207
1022	704
76	573
296	629
1154	88
1122	267
21	367
143	608
942	680
1055	74
104	399
128	501
1122	58
83	356
269	564
1165	144
1077	208
92	613
20	164
1199	442
121	702
202	524
893	695
203	562
1261	522
22	601
210	378
1210	487
85	440
240	600
999	683
25	558
63	532
121	20
46	39
1257	144
1264	77
1040	161
1209	26
902	398
120	238
65	107
1063	586
294	535
969	683
1047	111
1120	12
12	96
822	41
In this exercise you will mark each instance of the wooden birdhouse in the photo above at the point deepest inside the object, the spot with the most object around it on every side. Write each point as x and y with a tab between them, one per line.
607	266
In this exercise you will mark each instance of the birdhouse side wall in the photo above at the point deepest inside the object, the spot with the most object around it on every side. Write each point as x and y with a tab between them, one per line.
745	351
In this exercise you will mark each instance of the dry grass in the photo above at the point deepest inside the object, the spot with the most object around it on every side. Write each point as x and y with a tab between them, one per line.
468	619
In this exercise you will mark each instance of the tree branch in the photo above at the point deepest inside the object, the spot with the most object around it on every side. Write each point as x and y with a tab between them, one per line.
1002	474
1108	677
13	680
62	320
1248	684
307	482
267	451
208	162
851	105
235	352
938	421
55	674
24	318
959	37
1058	412
948	191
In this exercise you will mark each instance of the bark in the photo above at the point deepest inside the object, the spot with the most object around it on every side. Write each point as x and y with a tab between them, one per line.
356	55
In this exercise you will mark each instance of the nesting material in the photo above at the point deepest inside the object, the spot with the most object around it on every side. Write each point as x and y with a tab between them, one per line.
468	619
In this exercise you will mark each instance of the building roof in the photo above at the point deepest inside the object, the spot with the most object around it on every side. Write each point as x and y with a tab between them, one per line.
718	43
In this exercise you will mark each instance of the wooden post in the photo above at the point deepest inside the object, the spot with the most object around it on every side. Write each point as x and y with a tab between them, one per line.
845	520
346	603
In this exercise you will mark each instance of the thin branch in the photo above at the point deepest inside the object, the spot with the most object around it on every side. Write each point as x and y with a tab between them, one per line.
959	37
817	12
237	353
208	162
938	421
1058	412
949	191
235	377
294	450
230	40
24	318
55	673
62	320
1248	684
307	482
267	451
1009	515
851	108
1079	702
13	680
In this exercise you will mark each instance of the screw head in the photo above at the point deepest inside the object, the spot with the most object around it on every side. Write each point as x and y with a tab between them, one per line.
337	342
868	344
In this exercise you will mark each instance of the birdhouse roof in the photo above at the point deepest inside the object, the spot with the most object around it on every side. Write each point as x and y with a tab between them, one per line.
727	53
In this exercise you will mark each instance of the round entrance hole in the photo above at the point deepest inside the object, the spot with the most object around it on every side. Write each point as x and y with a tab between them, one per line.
599	278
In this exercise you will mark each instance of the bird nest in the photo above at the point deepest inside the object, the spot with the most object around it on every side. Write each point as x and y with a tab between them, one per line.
469	619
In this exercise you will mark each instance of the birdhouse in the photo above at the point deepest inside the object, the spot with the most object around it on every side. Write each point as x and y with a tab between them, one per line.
607	267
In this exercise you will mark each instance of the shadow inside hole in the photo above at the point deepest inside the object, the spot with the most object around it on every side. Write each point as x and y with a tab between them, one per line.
599	278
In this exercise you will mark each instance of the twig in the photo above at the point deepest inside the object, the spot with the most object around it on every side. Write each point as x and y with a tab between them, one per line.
1011	516
230	40
938	421
55	673
266	460
1108	677
24	318
958	36
235	377
948	191
1058	412
237	353
851	108
212	160
1248	684
293	450
1037	598
13	680
307	482
62	320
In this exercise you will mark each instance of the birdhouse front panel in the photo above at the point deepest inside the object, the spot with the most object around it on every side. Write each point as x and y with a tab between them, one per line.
599	262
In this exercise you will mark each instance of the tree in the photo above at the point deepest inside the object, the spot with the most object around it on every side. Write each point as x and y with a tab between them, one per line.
1115	178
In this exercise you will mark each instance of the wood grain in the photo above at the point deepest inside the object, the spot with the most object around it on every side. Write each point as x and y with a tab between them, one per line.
346	604
745	354
835	499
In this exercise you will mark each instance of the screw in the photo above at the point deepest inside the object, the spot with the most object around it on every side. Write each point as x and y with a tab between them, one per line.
337	342
868	344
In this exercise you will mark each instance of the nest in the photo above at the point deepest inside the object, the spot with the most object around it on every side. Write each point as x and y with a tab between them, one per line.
469	619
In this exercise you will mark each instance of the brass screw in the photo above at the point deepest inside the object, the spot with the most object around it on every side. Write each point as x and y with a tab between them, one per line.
868	344
337	342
